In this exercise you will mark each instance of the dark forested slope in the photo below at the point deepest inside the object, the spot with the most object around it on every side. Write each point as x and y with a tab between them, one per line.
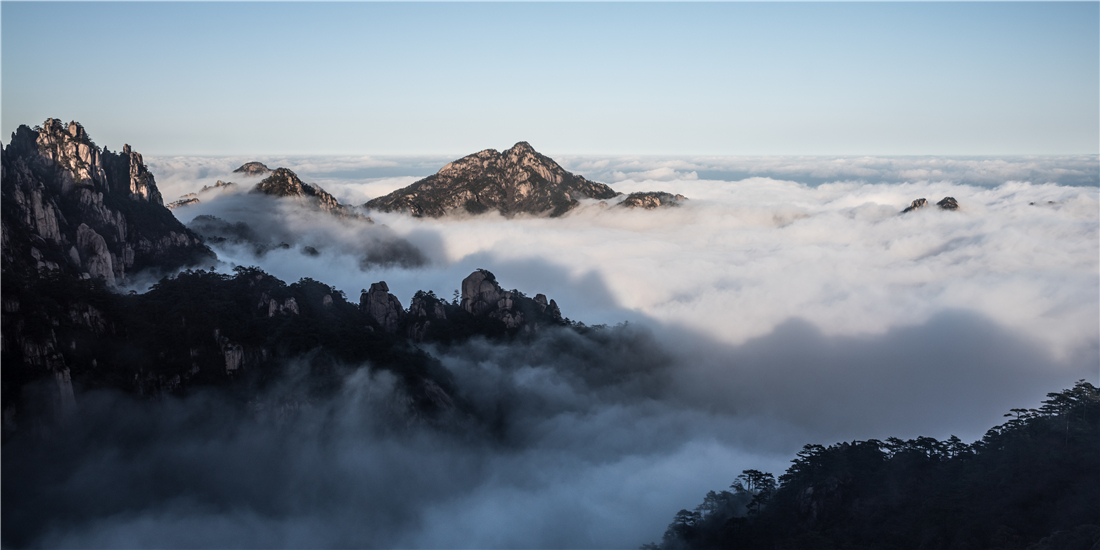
1033	482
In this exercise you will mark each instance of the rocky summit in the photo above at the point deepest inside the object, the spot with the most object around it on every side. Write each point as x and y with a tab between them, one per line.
253	169
516	181
948	203
72	207
285	183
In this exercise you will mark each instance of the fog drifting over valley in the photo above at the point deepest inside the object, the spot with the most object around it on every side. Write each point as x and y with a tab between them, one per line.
789	303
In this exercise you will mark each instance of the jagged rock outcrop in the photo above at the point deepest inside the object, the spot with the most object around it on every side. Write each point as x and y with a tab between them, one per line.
142	186
481	295
222	185
651	199
424	309
480	292
86	210
382	306
948	203
287	307
919	203
76	220
285	183
550	309
253	169
185	200
518	180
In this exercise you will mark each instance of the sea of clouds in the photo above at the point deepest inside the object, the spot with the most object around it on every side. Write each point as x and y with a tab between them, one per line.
786	302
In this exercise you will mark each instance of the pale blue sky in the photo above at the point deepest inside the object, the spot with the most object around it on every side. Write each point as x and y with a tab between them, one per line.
571	78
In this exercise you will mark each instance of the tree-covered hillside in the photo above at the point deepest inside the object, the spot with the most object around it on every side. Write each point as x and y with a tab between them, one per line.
1031	483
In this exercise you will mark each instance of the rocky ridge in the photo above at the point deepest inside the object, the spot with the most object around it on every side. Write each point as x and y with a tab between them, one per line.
482	308
285	183
217	185
518	180
947	203
77	220
651	199
70	206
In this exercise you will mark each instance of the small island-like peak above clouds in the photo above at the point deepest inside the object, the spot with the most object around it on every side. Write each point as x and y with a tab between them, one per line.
519	180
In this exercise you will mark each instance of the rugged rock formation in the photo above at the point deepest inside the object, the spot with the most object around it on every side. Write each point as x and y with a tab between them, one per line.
423	311
76	219
481	295
948	203
550	309
518	180
384	308
919	203
285	183
651	199
217	185
69	204
185	200
253	169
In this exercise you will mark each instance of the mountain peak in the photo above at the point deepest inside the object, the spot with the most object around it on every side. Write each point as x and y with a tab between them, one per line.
283	182
521	146
519	180
252	169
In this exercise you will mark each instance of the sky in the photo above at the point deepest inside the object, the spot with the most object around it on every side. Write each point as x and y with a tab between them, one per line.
212	78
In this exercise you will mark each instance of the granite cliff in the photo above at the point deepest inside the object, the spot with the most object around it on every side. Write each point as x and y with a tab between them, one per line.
70	206
77	221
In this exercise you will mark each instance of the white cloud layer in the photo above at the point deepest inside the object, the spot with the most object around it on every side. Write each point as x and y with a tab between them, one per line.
772	313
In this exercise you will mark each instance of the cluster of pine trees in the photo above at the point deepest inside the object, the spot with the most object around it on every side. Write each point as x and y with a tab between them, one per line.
1032	483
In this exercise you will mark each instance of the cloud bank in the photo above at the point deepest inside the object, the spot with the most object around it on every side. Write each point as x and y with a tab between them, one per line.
764	313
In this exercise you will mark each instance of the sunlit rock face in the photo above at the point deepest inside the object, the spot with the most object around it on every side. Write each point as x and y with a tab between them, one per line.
76	218
516	181
285	183
71	206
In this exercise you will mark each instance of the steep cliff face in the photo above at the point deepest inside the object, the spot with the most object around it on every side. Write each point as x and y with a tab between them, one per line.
72	207
285	183
76	221
519	180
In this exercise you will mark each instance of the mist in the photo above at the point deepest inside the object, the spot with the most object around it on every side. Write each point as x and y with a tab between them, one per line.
789	304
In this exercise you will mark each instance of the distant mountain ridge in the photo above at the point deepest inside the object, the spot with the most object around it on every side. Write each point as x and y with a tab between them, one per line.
518	180
285	183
